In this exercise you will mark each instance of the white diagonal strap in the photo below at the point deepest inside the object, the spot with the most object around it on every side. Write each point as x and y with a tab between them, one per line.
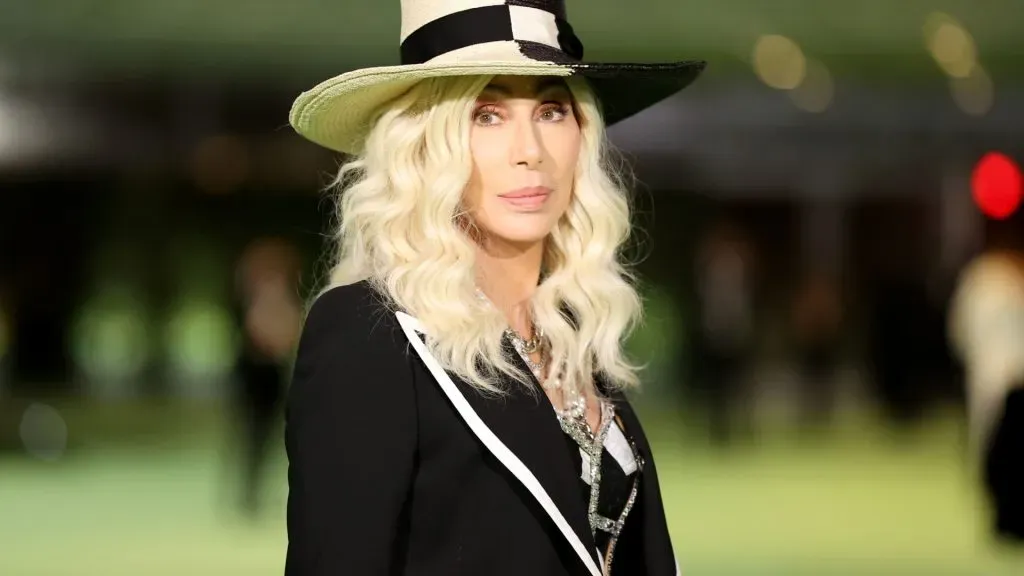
412	327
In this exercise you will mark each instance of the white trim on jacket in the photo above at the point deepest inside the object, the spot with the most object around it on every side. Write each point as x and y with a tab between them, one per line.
411	326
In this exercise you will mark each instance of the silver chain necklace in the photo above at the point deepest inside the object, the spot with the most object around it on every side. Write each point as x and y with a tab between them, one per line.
574	409
573	421
574	404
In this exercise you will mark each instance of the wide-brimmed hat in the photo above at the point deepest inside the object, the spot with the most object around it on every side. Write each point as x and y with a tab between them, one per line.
479	37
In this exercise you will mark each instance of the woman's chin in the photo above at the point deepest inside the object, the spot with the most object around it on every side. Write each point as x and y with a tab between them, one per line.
522	237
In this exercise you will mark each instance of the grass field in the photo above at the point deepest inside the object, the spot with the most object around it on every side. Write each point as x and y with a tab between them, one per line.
856	502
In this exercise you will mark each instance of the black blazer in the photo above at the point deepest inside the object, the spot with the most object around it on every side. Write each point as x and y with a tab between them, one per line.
395	467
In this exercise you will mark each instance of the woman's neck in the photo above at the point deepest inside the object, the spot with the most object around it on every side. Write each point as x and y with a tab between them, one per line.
508	274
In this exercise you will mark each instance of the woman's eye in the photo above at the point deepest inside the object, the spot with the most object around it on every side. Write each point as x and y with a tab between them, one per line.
553	113
486	117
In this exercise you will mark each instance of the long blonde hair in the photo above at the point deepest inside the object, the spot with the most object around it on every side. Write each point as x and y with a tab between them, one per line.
399	203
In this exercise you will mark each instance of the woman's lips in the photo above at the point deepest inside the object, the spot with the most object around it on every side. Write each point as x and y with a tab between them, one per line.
531	197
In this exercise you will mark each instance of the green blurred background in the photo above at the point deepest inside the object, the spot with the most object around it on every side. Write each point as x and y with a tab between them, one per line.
828	153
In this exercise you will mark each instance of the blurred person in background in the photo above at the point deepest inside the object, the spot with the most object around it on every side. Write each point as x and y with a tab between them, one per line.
987	331
5	335
817	318
8	419
900	335
725	337
457	404
270	318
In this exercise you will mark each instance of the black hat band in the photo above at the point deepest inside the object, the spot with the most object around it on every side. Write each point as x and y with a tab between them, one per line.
500	23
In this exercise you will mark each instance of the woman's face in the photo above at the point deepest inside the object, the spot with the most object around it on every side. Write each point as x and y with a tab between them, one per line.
525	143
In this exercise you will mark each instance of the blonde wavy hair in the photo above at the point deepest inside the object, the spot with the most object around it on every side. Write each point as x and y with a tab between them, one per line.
401	228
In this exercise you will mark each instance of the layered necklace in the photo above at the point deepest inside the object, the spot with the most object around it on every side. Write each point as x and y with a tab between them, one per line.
574	403
573	420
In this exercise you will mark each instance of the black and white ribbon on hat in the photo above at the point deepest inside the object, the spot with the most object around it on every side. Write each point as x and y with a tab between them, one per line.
528	22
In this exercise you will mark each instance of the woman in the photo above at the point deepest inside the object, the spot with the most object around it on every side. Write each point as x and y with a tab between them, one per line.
457	403
268	315
987	332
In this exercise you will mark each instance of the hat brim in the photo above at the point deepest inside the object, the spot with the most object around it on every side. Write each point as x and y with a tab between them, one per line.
338	112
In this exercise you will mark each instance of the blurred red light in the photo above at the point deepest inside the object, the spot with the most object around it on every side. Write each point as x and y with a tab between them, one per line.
996	185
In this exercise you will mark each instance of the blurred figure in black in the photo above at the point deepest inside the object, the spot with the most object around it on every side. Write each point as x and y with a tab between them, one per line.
899	346
987	330
725	328
1003	473
6	336
269	312
817	329
9	441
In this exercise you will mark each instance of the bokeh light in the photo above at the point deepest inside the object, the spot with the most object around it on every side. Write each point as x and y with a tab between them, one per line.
950	44
779	62
815	93
201	344
996	185
974	94
8	126
111	343
43	431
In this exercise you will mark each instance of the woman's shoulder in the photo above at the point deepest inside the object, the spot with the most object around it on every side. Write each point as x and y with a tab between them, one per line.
355	312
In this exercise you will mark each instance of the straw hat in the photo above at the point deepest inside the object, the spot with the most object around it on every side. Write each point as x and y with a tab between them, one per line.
479	37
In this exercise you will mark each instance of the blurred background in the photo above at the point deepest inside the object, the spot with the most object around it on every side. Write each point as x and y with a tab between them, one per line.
829	230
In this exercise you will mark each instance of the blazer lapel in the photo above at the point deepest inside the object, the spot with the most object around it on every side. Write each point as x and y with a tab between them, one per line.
657	544
522	432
